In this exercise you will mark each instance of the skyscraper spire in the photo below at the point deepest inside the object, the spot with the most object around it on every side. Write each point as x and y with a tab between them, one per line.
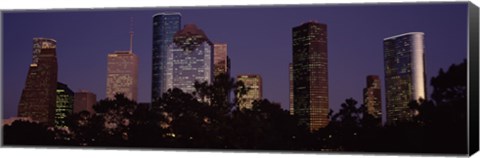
131	34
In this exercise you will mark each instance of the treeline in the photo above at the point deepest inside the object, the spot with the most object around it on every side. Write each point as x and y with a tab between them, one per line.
207	119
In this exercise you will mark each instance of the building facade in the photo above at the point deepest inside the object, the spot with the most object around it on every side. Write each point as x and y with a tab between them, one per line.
189	59
221	60
165	25
404	74
310	74
122	75
37	101
84	101
253	83
290	79
372	97
64	104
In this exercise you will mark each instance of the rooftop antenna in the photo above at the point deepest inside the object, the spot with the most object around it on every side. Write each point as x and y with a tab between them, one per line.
131	34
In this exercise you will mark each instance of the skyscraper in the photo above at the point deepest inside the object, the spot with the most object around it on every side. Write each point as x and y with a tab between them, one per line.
64	104
221	60
372	97
254	85
310	74
404	74
84	101
165	25
38	97
122	77
122	74
290	78
189	59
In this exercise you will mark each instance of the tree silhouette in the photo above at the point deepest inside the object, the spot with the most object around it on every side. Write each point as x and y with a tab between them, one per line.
22	132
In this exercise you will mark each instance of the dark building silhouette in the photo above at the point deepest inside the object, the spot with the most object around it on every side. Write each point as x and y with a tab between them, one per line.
84	101
372	97
310	74
165	25
38	97
290	79
404	74
64	104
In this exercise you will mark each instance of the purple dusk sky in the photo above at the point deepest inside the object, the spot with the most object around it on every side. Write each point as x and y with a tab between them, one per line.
258	38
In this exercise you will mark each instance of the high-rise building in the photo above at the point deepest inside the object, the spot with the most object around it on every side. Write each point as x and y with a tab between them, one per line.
372	97
64	104
165	25
84	101
290	78
221	59
310	74
404	74
253	83
38	97
122	75
189	59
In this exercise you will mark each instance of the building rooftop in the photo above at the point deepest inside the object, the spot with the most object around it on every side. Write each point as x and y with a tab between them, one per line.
404	34
166	13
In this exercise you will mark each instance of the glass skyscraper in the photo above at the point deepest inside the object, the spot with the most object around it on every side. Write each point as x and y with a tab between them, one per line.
64	104
165	25
189	59
404	74
37	101
310	74
254	85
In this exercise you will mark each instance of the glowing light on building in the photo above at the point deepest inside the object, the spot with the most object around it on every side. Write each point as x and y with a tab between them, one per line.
404	74
310	74
253	83
38	97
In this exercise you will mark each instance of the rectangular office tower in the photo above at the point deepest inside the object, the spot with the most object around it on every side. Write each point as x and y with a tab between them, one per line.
221	60
372	97
189	59
84	101
310	74
122	75
254	85
404	74
64	104
165	25
37	101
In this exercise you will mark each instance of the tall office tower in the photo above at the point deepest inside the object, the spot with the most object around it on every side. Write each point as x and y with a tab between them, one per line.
290	78
165	25
221	60
122	74
189	59
404	74
84	101
64	104
372	97
310	74
254	85
38	97
122	77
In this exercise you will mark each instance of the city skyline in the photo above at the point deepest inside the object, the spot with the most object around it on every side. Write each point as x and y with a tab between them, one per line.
277	80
